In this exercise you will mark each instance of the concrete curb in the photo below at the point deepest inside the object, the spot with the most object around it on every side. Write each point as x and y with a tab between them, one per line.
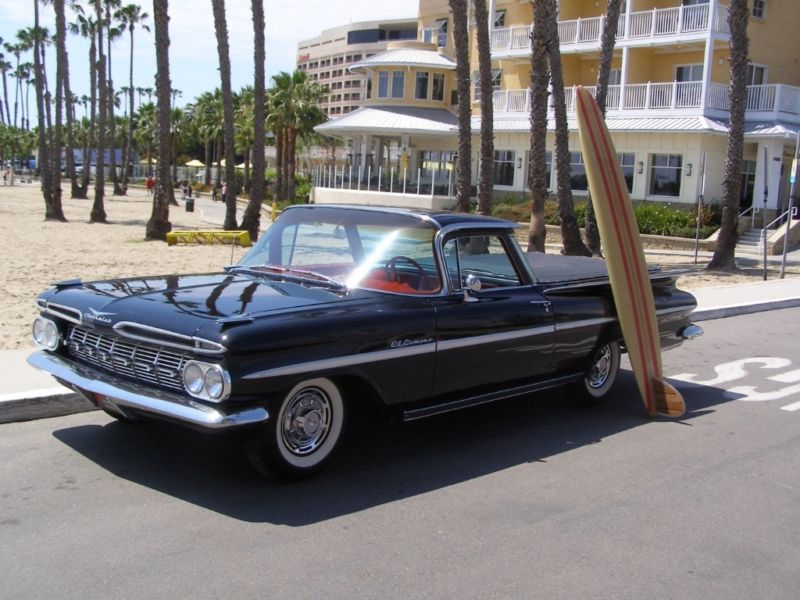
42	404
721	312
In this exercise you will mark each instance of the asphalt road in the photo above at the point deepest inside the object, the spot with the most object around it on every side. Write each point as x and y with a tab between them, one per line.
541	498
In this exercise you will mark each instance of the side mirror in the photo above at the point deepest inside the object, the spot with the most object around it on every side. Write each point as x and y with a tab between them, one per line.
472	285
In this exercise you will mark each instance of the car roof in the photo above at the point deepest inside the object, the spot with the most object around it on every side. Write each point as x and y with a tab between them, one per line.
441	218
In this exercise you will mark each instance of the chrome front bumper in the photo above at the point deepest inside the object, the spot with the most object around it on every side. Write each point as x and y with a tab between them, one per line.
117	395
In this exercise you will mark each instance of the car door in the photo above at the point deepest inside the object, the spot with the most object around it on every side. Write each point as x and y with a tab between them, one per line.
496	337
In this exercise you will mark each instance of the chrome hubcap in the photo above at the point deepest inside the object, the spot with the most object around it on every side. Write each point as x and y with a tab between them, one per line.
306	421
601	368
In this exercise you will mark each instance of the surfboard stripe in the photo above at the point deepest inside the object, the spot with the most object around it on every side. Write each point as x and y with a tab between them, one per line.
594	130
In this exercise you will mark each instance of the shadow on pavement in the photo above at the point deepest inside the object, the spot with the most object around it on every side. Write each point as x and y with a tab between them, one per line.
378	462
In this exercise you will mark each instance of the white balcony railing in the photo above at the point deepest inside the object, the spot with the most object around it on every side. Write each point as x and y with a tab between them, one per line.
672	95
659	22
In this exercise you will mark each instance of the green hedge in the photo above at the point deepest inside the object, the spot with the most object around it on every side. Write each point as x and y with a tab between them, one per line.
653	218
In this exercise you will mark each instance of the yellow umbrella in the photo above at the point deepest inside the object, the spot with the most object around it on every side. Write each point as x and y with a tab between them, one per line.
194	163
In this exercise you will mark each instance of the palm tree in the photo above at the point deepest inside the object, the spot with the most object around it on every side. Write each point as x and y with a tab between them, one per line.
486	178
221	28
86	27
537	165
16	50
112	33
570	233
64	94
98	214
251	221
243	134
724	251
610	25
158	226
5	68
130	16
461	39
145	132
207	126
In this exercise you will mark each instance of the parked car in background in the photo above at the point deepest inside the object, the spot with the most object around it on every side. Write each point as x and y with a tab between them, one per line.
419	312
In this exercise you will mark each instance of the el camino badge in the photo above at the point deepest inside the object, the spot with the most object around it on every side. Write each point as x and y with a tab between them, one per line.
103	317
407	342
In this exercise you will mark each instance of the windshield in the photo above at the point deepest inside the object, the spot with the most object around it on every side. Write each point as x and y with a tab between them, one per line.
356	248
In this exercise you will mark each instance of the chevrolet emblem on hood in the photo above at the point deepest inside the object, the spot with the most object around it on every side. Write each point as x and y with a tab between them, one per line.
98	315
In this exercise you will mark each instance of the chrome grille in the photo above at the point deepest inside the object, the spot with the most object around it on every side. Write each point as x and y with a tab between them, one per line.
134	360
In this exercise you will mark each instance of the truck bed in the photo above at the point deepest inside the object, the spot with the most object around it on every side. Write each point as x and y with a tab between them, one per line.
557	269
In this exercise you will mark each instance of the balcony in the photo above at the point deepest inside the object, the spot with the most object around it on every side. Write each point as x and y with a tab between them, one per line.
775	101
660	25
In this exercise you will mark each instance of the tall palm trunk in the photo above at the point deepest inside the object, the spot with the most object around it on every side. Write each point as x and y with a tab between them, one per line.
610	25
221	28
461	39
570	233
98	214
279	163
291	162
251	221
537	165
47	164
62	62
89	142
5	96
112	126
724	251
129	136
158	225
486	178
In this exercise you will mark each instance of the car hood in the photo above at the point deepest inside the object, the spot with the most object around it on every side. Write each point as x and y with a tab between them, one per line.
186	304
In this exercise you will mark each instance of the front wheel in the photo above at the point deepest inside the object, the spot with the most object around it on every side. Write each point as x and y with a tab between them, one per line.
303	432
602	373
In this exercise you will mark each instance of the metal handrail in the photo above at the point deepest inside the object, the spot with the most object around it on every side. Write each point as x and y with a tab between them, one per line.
780	218
745	211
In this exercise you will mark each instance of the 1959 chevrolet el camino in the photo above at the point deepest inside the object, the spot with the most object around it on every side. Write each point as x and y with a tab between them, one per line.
420	312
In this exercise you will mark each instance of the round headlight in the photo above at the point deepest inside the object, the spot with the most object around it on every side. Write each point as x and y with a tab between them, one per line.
38	330
215	384
51	337
193	378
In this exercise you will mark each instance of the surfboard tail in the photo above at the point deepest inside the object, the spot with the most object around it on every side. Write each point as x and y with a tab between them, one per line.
668	401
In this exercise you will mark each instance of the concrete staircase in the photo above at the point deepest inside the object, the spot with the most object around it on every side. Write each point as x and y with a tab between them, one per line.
749	242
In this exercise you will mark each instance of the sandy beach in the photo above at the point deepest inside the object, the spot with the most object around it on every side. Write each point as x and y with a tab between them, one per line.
37	252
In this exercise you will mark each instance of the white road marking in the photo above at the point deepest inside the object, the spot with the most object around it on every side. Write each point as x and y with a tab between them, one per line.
748	393
791	407
731	371
788	377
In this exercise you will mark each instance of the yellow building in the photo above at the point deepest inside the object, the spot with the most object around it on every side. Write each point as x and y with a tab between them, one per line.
667	104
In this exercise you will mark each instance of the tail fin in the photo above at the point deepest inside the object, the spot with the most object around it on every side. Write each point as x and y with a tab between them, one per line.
668	400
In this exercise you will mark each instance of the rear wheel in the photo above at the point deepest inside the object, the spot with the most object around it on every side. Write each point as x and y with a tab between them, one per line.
600	377
302	433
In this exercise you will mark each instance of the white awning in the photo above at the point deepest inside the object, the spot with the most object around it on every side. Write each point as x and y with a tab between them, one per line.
406	57
393	120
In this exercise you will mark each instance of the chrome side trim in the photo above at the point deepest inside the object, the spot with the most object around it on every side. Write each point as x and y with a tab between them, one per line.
345	361
583	323
491	338
162	337
73	315
124	394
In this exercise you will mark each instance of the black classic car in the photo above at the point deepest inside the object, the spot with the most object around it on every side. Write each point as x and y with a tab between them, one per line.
420	312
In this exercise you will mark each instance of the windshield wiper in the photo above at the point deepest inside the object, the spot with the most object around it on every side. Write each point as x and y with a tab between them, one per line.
289	274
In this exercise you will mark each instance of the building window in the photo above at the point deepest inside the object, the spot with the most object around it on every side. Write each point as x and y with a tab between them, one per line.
504	167
756	74
437	33
500	18
665	174
421	86
759	8
437	161
577	172
627	160
398	84
369	87
497	82
548	162
437	92
383	84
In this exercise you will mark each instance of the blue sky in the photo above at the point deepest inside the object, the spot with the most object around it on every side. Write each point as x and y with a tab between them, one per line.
193	51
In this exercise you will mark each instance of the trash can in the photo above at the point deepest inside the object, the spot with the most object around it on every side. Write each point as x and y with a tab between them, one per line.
189	205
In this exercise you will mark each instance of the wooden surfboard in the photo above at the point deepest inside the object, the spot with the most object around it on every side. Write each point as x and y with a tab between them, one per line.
630	284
